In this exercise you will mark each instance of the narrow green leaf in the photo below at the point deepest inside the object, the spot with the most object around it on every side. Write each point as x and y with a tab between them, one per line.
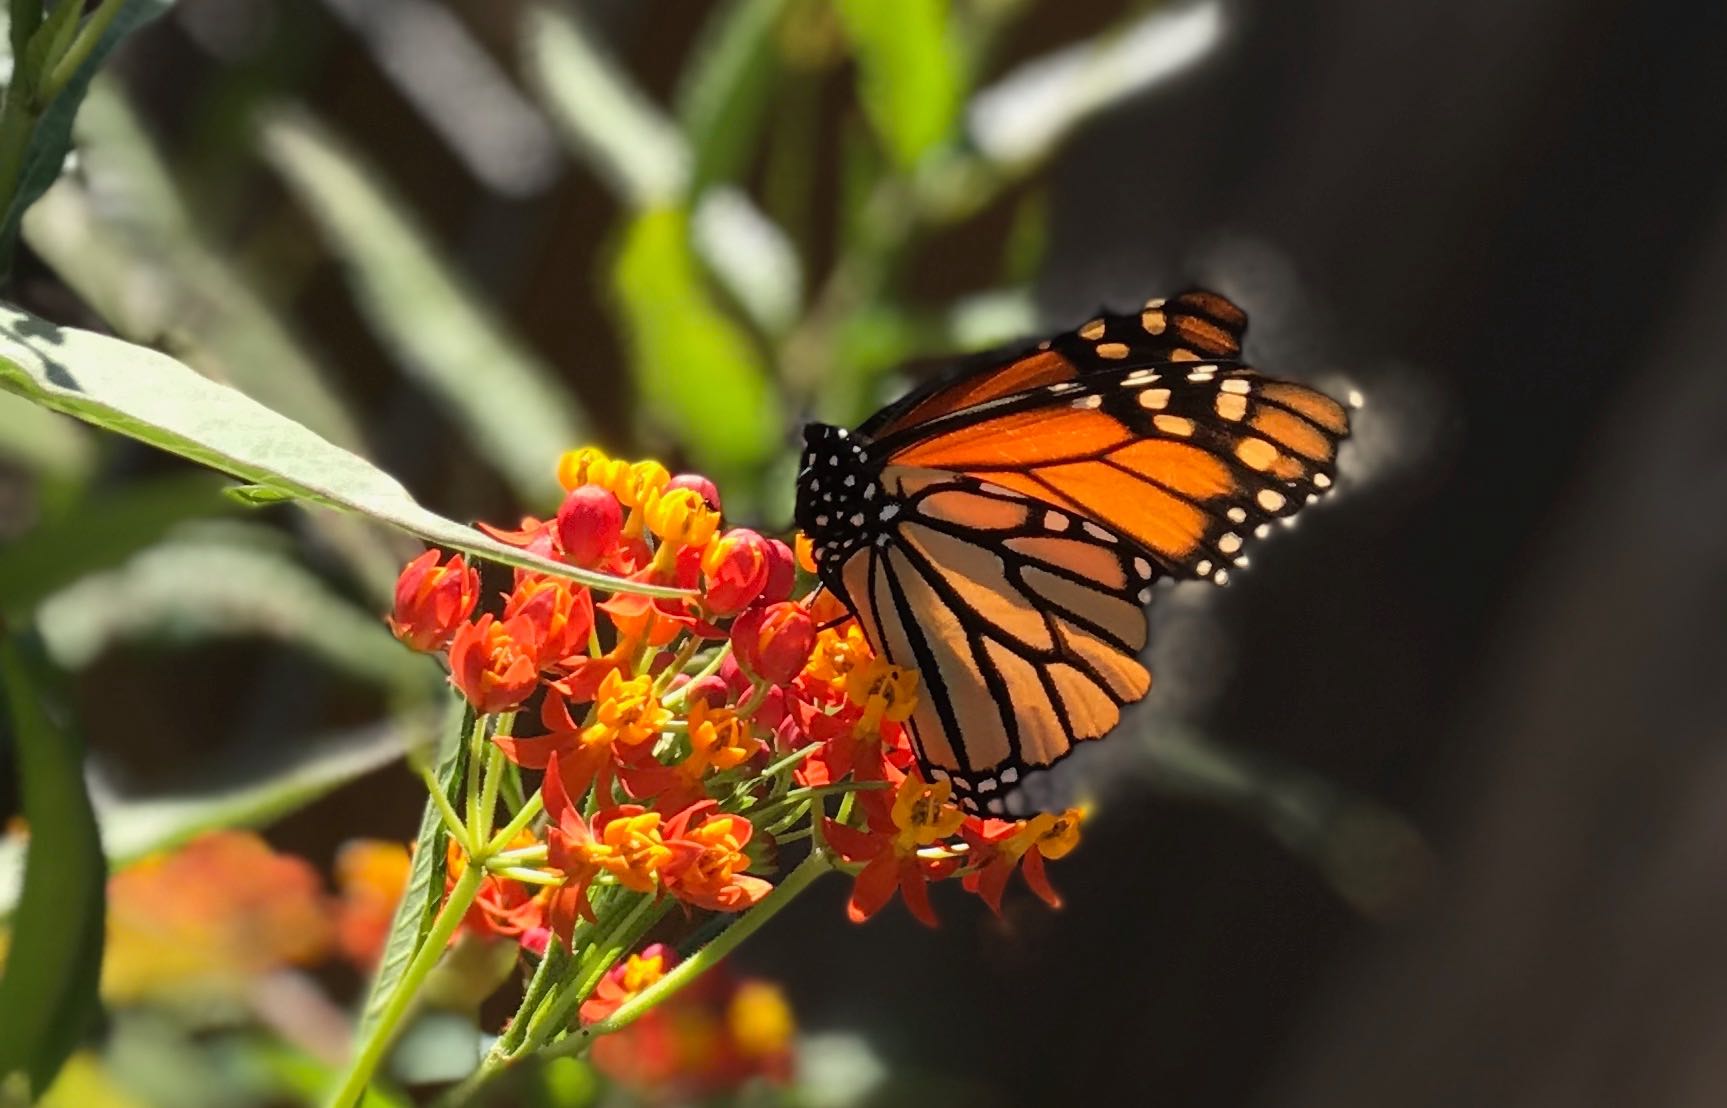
46	153
155	399
48	992
256	496
218	584
249	792
425	888
102	530
441	327
910	76
24	16
623	135
699	372
723	100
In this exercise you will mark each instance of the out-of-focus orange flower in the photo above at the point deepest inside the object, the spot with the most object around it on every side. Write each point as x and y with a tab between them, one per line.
560	613
773	642
433	600
202	921
370	877
805	552
494	663
735	571
709	1040
714	877
627	979
999	846
920	815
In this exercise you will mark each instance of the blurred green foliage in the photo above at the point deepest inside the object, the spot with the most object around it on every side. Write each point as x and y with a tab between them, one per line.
767	223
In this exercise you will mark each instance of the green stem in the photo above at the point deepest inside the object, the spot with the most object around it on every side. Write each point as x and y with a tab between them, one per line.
17	124
534	806
686	972
371	1051
489	794
452	822
79	52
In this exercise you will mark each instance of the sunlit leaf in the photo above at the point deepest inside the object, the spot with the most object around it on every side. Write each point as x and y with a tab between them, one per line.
910	74
1020	119
48	993
440	326
624	136
155	399
700	374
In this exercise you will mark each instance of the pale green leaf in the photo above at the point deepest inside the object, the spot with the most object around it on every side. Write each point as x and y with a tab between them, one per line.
155	399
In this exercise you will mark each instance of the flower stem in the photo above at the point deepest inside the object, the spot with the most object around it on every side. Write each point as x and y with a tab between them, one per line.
534	806
371	1051
88	36
686	972
452	822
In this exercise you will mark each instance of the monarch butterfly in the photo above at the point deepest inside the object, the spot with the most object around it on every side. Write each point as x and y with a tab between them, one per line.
1000	532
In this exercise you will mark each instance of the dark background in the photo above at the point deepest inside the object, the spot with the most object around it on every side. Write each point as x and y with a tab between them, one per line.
1504	223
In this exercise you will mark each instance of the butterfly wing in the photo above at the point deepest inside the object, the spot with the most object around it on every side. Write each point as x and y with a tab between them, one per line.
1023	621
999	531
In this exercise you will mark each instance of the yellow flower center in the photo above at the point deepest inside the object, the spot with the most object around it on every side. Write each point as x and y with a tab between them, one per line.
924	813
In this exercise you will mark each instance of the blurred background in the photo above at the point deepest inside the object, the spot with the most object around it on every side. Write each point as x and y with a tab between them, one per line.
1425	808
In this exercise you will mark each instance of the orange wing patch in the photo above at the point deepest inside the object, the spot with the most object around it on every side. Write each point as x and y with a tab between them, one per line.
1030	372
1021	439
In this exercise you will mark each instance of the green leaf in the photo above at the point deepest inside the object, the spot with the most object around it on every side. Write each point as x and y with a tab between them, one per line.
699	372
48	992
46	153
623	135
222	583
910	75
256	496
425	888
155	399
508	401
724	97
99	532
247	793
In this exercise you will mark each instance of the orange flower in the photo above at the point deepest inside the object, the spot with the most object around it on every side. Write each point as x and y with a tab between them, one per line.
432	601
626	713
560	612
494	663
999	846
718	740
627	979
714	878
625	842
502	908
921	815
838	651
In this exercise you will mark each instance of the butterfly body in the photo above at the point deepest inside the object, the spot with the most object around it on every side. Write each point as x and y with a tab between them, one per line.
1000	532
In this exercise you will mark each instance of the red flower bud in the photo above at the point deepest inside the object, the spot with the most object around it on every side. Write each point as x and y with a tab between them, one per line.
695	482
433	600
589	524
736	570
774	641
493	663
782	573
710	690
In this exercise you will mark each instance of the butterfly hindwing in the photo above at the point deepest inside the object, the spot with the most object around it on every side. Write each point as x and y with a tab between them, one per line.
1024	622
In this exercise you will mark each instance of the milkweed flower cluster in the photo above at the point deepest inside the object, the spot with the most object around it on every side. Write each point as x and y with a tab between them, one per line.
702	723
